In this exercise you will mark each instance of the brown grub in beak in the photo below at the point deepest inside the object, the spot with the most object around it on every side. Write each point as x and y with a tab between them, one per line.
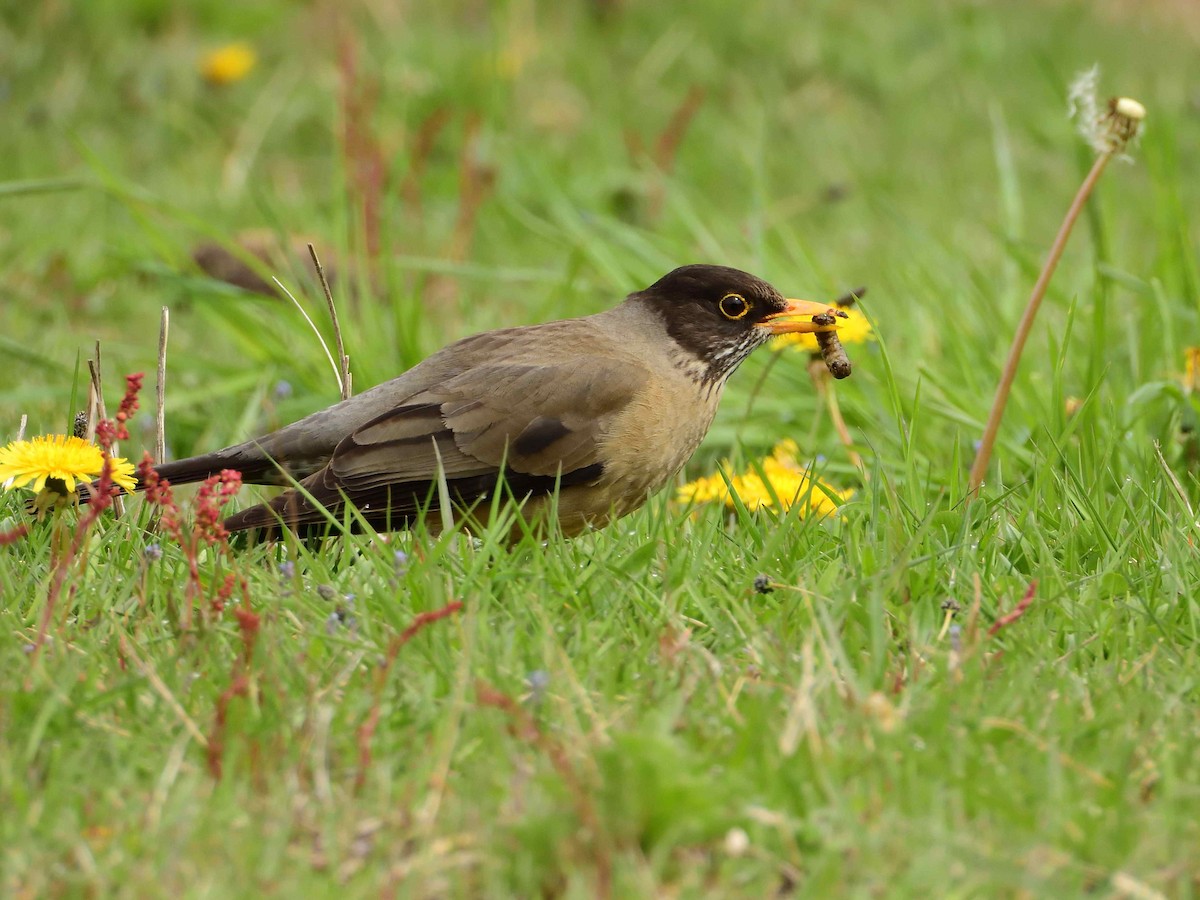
832	351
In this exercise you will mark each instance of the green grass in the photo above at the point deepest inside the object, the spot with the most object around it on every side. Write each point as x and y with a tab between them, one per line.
622	712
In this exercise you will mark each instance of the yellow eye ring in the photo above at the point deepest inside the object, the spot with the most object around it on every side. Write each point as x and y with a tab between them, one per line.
734	306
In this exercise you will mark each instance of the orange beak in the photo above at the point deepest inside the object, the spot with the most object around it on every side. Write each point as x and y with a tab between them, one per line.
797	318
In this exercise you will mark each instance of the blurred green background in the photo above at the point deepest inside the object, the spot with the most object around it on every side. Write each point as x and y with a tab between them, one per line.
467	165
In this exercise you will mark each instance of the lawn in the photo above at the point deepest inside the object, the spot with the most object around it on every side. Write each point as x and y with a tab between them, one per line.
923	694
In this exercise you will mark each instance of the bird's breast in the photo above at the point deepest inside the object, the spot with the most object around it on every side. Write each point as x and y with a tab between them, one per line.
652	438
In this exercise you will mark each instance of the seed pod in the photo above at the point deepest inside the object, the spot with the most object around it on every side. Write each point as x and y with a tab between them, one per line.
832	351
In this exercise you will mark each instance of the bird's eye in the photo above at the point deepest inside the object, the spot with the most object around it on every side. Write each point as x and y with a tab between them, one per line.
734	306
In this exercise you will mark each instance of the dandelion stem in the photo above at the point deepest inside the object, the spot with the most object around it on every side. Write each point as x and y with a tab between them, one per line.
817	372
987	443
835	415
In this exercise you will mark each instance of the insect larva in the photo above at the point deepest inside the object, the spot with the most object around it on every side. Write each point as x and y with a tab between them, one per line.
832	351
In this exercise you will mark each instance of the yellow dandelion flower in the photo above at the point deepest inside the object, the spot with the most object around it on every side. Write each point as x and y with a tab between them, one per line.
56	462
1191	371
228	64
853	330
779	476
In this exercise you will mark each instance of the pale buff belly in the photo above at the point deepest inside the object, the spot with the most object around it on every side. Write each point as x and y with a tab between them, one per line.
648	444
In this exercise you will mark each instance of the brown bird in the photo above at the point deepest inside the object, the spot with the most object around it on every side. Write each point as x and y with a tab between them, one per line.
605	409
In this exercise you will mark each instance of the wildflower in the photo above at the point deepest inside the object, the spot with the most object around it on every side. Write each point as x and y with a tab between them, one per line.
537	681
129	404
55	462
228	64
781	477
341	616
1191	371
737	842
215	491
153	553
854	329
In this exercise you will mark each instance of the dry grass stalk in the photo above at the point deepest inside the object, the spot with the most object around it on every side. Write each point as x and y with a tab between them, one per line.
160	389
342	359
337	373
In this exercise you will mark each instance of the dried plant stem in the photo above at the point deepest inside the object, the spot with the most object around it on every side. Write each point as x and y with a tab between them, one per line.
839	424
93	402
987	443
160	389
817	372
342	359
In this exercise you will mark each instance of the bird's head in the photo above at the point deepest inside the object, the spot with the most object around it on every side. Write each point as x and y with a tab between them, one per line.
718	315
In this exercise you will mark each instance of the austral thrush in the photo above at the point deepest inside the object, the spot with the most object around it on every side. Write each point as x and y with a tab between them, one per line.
605	409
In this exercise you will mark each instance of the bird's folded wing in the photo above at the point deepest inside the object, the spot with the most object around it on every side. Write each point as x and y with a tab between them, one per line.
539	420
542	425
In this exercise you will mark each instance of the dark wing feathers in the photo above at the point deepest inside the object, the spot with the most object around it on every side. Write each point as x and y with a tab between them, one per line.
541	424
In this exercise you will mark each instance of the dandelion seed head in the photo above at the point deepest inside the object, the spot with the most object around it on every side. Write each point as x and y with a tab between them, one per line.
1109	127
1129	108
1082	107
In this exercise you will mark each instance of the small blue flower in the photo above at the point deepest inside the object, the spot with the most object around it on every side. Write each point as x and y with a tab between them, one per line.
332	623
537	680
